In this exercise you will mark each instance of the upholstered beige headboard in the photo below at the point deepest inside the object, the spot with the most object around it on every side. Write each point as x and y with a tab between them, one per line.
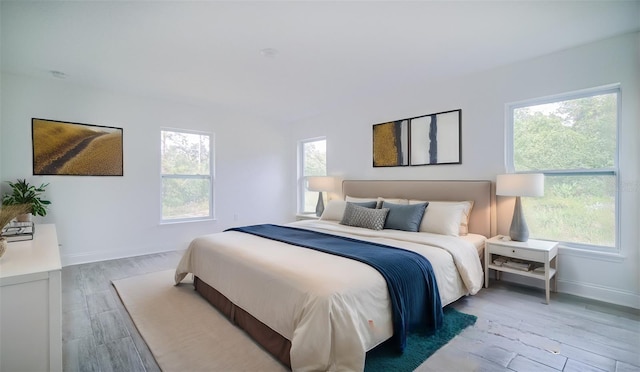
482	220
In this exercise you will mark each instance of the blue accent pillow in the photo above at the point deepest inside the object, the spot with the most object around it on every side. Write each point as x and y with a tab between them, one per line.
371	204
404	217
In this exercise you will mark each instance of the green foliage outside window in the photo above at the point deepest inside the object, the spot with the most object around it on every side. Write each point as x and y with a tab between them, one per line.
186	175
574	142
185	153
185	198
578	209
314	163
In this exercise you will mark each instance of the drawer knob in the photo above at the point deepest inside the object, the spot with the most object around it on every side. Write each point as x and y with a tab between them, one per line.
513	251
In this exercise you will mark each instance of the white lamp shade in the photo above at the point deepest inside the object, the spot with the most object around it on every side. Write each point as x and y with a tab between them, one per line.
524	184
320	183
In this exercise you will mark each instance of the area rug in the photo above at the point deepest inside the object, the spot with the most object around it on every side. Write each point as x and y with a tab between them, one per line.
185	333
419	347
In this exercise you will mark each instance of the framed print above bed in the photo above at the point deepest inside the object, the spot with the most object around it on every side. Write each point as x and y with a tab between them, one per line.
423	140
391	144
435	139
65	148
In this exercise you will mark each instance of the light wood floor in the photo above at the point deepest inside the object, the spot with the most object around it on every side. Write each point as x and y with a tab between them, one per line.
515	330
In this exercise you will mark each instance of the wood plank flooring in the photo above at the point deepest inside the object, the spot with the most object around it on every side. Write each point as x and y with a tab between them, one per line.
515	330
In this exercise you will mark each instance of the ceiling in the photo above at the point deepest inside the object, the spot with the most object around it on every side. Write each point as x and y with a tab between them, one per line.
326	53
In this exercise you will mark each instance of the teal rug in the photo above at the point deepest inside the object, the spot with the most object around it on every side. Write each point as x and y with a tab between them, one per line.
419	347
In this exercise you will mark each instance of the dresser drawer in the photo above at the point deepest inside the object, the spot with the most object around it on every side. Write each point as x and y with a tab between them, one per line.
522	253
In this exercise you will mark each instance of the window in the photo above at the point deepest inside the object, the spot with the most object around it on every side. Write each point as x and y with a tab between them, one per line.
312	161
187	175
573	140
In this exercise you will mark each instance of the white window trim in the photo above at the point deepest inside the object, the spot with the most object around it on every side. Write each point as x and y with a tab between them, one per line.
572	248
212	188
302	180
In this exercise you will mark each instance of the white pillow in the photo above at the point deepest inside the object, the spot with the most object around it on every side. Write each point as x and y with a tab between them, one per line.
442	219
464	218
334	211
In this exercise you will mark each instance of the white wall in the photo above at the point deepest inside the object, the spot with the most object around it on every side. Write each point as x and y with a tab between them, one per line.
1	84
101	218
482	98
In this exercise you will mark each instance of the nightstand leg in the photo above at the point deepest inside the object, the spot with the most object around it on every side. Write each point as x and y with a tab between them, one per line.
487	257
555	277
546	279
547	293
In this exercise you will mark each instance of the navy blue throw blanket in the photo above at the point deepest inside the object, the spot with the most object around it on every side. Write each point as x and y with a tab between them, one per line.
413	290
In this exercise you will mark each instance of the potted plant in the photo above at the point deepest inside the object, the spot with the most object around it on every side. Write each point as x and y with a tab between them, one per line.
24	193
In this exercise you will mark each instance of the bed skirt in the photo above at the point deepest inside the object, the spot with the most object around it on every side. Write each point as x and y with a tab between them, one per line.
270	340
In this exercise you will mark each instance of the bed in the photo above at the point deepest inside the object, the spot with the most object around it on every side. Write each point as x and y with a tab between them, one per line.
315	311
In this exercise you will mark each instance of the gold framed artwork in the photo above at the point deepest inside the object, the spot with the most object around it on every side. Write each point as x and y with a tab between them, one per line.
391	144
423	140
66	148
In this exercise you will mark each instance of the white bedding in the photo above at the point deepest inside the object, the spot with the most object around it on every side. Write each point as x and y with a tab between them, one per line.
331	308
477	240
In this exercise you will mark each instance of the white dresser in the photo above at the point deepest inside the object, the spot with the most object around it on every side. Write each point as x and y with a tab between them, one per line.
30	304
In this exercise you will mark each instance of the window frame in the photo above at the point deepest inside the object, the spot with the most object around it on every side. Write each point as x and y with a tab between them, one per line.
211	177
302	179
612	171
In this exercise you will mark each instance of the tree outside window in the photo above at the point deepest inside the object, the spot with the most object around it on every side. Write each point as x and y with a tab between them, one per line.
186	173
573	141
312	161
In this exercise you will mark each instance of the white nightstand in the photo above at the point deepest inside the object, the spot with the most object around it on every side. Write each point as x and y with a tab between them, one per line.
306	216
532	251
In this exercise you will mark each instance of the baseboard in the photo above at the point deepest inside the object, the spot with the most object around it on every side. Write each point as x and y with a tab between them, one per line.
600	293
586	290
96	256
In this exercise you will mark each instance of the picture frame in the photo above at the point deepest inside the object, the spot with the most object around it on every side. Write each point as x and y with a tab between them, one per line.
76	149
432	139
435	139
391	144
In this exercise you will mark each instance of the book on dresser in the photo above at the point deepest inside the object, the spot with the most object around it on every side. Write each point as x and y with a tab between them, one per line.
18	231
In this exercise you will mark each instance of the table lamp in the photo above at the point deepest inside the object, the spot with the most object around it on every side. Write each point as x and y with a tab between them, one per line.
519	184
320	184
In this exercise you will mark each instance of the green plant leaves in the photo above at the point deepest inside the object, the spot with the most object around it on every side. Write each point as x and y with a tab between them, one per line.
24	193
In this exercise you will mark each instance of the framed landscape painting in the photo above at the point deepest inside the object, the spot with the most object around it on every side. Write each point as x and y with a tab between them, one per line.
65	148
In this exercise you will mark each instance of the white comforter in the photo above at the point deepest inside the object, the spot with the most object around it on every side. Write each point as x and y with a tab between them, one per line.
332	309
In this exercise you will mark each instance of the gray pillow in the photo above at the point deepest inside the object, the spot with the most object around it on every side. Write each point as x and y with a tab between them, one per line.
404	217
355	215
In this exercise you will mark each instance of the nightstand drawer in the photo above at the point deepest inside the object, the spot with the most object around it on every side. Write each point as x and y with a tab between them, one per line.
525	254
